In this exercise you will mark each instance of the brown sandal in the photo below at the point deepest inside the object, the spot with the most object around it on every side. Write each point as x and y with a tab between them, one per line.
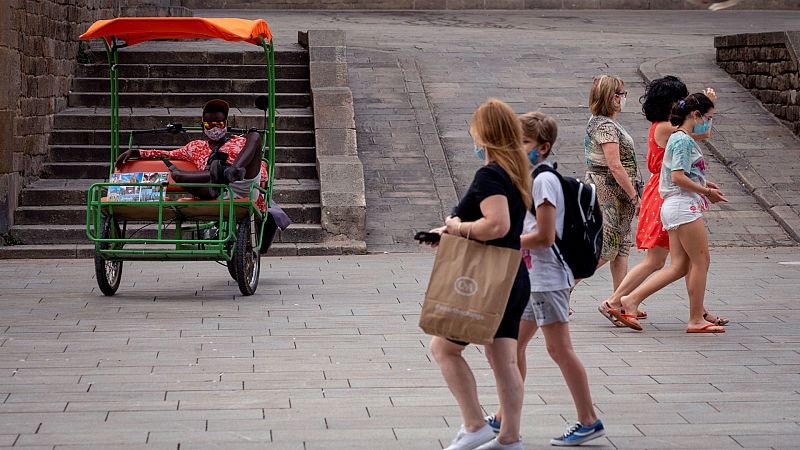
721	321
628	320
604	309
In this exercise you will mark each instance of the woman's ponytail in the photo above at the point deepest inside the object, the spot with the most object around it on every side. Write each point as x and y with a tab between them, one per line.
694	102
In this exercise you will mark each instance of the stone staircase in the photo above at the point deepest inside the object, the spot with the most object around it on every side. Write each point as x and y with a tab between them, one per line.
51	216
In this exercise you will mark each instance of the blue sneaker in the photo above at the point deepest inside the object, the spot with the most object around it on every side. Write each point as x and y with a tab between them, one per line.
578	434
494	423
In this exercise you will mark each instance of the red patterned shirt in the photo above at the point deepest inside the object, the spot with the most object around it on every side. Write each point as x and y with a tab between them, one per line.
198	151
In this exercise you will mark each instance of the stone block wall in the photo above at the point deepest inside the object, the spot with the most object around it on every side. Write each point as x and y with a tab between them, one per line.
38	55
767	65
39	51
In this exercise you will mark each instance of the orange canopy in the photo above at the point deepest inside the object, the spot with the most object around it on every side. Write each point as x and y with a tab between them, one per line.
134	30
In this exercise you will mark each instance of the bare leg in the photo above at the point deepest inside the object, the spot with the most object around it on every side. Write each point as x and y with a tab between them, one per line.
559	346
196	176
654	260
502	354
250	157
678	268
694	239
527	329
619	268
460	380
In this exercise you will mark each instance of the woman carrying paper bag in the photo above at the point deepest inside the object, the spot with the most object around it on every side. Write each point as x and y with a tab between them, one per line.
492	211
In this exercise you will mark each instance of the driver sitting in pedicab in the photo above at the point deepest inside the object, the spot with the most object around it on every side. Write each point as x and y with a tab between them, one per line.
235	160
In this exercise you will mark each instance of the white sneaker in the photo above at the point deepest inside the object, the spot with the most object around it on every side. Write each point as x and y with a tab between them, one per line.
470	441
494	445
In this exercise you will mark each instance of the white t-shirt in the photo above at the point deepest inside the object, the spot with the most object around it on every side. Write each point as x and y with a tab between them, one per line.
546	270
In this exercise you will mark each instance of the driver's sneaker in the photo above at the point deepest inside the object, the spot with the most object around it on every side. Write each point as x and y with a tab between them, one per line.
579	434
495	445
470	441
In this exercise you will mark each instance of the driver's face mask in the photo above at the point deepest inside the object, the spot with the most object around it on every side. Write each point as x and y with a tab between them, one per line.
215	130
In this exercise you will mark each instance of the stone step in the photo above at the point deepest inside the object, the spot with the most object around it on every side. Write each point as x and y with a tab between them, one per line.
83	118
239	72
98	169
54	192
76	214
100	84
100	153
101	137
73	251
183	100
286	54
76	234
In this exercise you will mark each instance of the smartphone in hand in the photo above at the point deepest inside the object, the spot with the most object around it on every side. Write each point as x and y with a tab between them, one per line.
425	237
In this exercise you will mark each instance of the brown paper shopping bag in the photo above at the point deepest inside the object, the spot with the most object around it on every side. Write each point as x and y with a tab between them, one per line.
468	290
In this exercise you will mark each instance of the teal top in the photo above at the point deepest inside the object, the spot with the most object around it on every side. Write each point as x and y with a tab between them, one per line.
682	153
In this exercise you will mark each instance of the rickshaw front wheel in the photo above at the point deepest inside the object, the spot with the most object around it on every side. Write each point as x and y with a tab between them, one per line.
247	258
108	273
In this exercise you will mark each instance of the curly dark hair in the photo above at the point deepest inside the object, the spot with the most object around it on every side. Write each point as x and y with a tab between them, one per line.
660	95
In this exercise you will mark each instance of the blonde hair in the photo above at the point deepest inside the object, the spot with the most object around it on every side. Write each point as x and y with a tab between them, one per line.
495	123
601	97
540	127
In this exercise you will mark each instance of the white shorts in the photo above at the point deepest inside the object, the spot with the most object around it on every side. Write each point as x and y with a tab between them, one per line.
681	209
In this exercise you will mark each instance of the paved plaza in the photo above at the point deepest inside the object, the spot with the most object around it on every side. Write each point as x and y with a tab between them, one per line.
418	76
327	355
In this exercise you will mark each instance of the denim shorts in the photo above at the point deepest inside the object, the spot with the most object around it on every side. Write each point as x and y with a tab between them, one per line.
681	209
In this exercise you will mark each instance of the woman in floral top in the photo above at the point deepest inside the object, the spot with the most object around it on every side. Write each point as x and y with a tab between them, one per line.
611	167
687	193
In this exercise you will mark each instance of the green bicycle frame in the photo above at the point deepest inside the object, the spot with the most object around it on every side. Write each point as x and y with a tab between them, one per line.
184	248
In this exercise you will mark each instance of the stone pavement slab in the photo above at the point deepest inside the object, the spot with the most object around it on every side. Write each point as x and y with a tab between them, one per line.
406	67
328	355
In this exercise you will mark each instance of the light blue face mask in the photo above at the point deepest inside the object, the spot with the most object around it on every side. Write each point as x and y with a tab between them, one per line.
702	129
480	152
533	156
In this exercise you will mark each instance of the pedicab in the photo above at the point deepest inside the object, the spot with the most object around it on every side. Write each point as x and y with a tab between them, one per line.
228	230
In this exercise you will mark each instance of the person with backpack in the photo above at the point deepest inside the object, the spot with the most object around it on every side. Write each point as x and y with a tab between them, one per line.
557	228
686	192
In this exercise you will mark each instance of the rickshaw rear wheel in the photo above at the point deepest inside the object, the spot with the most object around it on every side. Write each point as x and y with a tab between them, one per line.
232	263
248	259
108	273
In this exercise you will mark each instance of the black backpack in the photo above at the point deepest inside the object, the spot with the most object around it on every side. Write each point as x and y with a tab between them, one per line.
582	239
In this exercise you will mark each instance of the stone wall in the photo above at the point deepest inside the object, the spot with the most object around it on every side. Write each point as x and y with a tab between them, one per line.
478	4
38	54
39	50
767	65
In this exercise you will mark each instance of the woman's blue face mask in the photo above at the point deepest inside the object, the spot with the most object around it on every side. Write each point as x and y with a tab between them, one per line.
702	128
480	152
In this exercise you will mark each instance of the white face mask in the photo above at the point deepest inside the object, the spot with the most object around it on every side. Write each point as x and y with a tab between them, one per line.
215	133
622	102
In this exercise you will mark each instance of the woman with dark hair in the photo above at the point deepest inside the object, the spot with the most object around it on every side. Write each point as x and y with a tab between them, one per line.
657	102
686	193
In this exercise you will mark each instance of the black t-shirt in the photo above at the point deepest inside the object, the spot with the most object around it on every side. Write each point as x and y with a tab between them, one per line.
493	180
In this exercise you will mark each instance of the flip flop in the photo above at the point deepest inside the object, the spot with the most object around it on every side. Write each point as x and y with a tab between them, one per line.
641	314
628	320
722	321
707	329
604	310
